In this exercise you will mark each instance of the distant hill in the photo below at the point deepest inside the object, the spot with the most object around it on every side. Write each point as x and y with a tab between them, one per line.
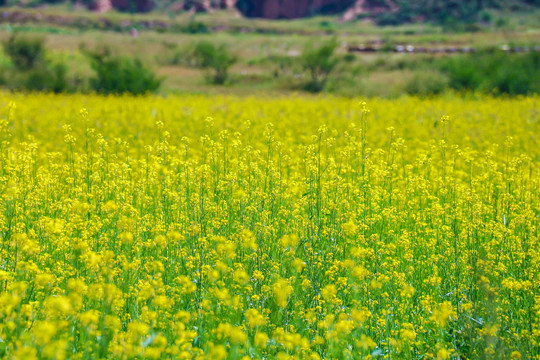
385	12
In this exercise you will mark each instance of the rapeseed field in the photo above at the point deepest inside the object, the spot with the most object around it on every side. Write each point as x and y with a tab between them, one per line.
196	227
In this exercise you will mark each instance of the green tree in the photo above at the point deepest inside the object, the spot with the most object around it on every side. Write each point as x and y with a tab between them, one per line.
24	52
319	62
217	59
32	69
116	75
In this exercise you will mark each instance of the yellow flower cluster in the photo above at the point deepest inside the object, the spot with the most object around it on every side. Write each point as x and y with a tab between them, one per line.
299	228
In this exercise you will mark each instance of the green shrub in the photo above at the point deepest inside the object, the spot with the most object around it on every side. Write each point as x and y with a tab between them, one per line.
496	72
463	73
349	57
391	19
319	62
426	83
203	53
23	51
196	27
216	59
50	77
31	69
116	75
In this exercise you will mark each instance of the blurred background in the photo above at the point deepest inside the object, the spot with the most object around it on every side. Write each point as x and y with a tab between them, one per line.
383	48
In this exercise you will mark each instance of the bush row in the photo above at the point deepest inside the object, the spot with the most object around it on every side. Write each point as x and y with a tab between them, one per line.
487	72
33	70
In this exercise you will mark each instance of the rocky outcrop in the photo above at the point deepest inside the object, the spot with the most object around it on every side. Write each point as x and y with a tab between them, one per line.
290	9
269	9
368	7
100	6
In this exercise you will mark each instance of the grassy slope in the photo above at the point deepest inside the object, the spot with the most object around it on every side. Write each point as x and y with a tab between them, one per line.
253	72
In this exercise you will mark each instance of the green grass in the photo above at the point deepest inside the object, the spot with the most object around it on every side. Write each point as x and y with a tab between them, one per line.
366	74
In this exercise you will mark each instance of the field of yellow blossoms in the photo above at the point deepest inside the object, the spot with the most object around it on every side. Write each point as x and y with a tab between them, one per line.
196	227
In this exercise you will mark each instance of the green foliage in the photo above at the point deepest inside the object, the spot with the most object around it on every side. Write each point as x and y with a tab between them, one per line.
192	27
24	52
196	27
44	77
392	18
203	53
452	14
464	74
319	62
426	83
116	75
31	69
497	72
216	59
349	57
